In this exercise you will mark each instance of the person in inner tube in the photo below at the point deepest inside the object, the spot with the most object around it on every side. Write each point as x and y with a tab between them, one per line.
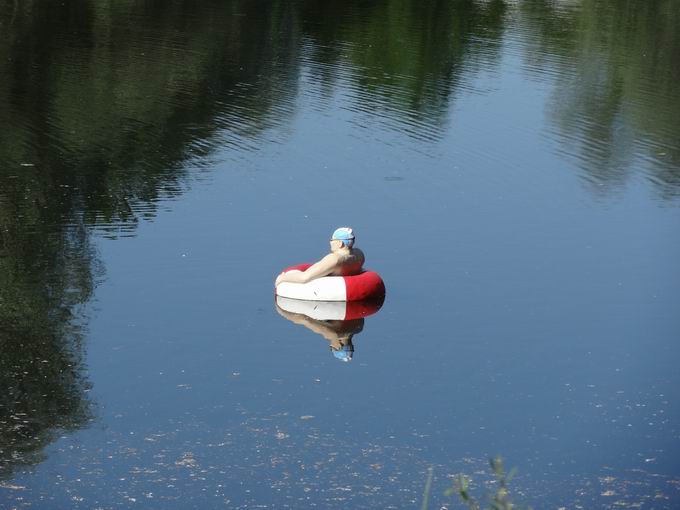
343	260
339	333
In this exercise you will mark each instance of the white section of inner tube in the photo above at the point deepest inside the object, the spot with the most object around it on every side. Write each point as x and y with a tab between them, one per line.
319	310
328	288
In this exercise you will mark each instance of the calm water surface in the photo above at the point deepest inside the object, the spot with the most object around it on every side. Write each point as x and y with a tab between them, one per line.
511	169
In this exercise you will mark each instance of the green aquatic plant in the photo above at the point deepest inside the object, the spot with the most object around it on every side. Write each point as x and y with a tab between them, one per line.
426	492
498	500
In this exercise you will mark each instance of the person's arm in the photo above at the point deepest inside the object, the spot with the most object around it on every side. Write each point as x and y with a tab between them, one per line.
297	318
322	268
316	326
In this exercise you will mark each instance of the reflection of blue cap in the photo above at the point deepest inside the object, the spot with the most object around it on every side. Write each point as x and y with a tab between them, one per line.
344	354
344	234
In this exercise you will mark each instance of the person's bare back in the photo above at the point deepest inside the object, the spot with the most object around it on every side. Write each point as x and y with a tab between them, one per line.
349	263
343	260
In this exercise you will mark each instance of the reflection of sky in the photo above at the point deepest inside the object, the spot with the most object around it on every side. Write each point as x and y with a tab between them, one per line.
524	317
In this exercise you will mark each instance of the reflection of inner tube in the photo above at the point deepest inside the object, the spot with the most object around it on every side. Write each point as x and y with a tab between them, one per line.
336	321
330	310
366	285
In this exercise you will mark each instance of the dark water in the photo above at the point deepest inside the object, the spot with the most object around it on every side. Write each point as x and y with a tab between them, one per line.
511	169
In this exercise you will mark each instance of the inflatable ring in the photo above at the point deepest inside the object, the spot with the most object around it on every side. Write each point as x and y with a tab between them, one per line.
330	310
359	287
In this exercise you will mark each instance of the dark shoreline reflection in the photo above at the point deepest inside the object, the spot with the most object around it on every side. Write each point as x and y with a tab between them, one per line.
336	321
108	106
44	279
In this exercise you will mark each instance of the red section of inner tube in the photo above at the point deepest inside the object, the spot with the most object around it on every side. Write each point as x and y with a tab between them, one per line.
299	267
360	287
361	309
367	285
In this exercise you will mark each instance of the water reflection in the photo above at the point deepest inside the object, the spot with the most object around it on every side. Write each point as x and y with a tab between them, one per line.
615	99
401	61
44	278
336	321
109	108
108	105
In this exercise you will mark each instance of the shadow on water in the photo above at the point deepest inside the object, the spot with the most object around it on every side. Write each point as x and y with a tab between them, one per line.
113	104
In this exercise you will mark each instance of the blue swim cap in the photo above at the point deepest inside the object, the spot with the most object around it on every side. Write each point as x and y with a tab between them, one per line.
344	234
343	355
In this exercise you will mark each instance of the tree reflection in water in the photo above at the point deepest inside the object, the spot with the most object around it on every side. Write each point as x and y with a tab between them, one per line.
44	277
617	97
104	120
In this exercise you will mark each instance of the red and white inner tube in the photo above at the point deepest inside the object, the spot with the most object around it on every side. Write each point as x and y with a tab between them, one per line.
359	287
330	310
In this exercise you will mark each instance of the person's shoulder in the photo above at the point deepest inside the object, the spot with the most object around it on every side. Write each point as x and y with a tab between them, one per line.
331	257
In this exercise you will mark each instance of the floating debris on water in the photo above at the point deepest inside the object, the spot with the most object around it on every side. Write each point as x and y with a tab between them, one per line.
7	485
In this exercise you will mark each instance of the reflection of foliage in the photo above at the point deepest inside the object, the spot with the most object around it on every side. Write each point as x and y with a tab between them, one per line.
42	393
110	112
103	120
42	278
407	56
46	271
617	96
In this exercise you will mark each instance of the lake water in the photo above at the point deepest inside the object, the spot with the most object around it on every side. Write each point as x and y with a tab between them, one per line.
511	169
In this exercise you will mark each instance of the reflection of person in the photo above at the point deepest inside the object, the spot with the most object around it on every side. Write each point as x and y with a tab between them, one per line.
339	333
343	260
